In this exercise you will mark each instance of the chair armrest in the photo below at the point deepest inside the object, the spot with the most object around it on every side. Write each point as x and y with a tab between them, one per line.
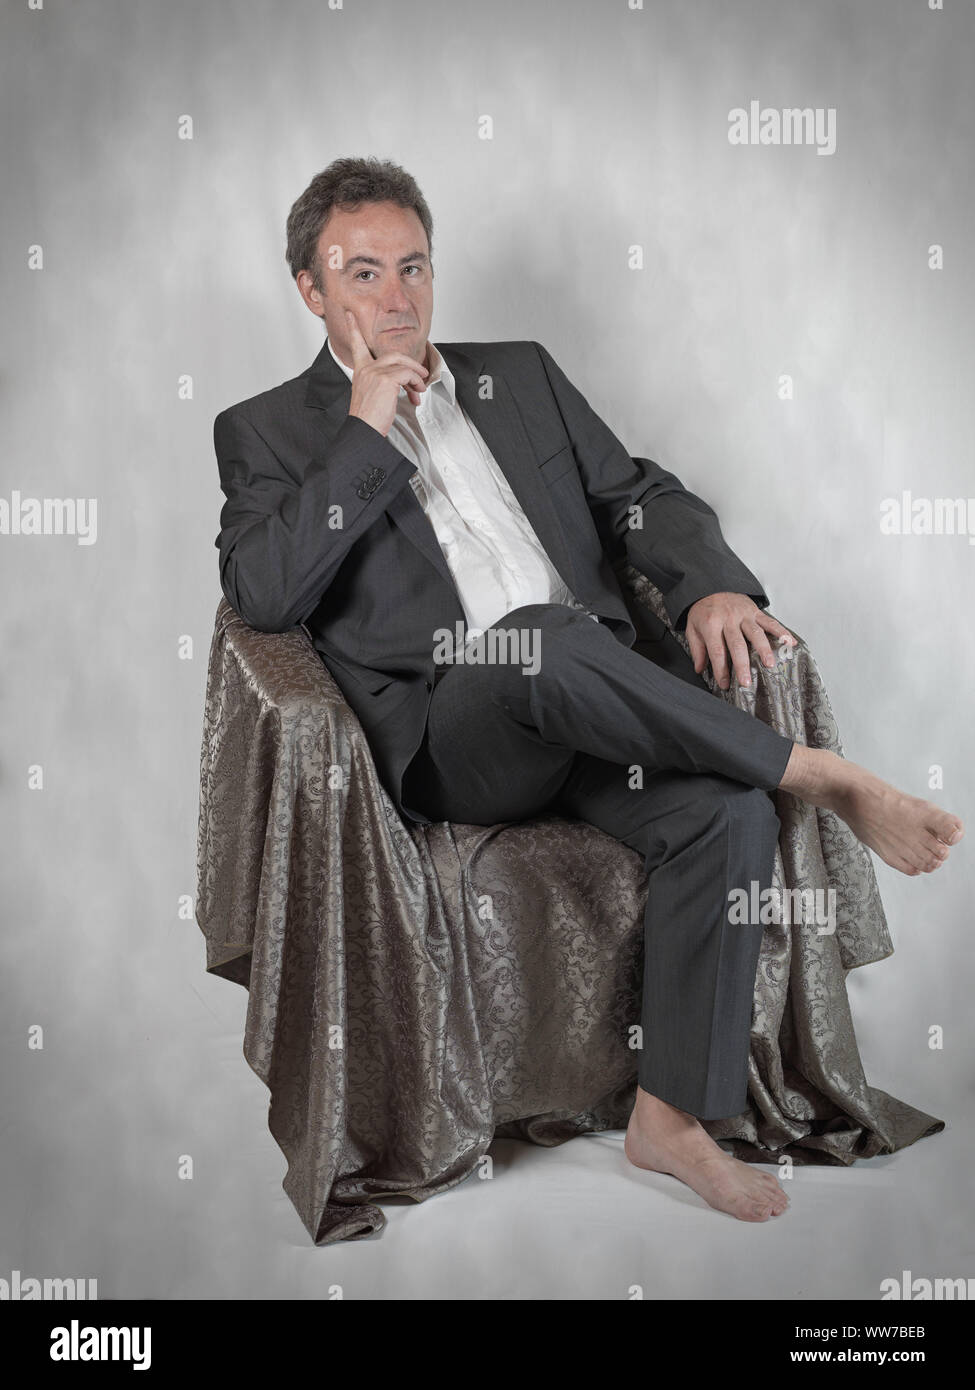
279	744
283	668
650	596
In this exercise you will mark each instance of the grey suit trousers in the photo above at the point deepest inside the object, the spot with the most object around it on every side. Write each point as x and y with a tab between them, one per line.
631	740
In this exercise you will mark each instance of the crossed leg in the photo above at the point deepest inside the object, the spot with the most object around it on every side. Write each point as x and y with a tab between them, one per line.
502	744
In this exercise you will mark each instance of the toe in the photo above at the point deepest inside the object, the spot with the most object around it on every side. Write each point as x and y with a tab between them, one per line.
947	829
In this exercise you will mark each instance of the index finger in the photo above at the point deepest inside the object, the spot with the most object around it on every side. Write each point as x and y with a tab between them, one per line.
756	635
360	348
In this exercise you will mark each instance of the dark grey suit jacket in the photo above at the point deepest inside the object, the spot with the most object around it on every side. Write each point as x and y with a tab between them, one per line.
321	527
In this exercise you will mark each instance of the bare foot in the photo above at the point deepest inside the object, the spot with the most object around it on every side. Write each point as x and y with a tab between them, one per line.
664	1139
907	832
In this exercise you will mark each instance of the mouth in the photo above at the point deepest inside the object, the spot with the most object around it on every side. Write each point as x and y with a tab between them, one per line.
396	330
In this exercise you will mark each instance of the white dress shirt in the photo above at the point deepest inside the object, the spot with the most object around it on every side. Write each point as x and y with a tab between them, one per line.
490	547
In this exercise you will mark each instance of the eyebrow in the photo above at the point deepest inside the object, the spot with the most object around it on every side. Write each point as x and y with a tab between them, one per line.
371	260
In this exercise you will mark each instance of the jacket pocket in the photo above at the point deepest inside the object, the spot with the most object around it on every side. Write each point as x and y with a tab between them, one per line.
558	465
369	679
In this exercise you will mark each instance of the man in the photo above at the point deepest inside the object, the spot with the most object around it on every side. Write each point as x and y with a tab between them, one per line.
396	493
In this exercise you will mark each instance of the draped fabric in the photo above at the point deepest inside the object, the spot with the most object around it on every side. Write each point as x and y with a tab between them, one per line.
415	990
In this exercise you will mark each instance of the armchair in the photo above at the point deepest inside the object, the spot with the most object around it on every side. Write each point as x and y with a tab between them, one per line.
415	990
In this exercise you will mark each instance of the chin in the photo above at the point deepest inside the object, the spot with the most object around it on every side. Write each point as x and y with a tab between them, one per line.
400	342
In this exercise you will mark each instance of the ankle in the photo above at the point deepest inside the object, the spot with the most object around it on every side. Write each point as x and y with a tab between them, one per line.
813	774
649	1109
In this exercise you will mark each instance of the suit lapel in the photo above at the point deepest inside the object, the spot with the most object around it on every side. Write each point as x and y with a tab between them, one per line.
500	425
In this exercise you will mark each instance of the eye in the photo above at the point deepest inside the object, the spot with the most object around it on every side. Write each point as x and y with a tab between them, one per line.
363	272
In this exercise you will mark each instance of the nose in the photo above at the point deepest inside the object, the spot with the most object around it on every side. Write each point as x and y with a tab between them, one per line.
395	300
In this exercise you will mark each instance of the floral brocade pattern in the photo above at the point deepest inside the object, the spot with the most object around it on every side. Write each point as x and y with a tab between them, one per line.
415	990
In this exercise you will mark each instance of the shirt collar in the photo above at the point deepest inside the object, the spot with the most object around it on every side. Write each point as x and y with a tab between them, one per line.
440	374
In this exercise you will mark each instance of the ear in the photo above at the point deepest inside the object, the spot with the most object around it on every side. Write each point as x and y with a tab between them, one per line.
312	297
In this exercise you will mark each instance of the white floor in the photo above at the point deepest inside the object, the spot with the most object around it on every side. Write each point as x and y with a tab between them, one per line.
574	1222
93	1130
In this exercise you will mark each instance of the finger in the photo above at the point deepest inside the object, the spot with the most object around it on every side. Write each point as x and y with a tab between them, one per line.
405	377
756	635
719	659
772	625
397	359
740	657
360	348
699	652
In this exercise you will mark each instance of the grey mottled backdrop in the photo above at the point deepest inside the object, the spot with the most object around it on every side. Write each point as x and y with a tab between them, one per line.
144	289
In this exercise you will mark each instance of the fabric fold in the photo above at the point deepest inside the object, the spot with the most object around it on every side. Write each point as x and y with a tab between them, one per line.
414	991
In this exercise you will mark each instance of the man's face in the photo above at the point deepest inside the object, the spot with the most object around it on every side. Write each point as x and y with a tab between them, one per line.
382	272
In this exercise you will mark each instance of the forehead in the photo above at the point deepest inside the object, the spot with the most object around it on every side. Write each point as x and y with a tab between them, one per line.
374	227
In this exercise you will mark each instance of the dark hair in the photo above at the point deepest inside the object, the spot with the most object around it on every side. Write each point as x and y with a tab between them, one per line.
345	184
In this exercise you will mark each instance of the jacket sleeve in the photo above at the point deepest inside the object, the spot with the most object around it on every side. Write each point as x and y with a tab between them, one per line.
281	542
679	546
